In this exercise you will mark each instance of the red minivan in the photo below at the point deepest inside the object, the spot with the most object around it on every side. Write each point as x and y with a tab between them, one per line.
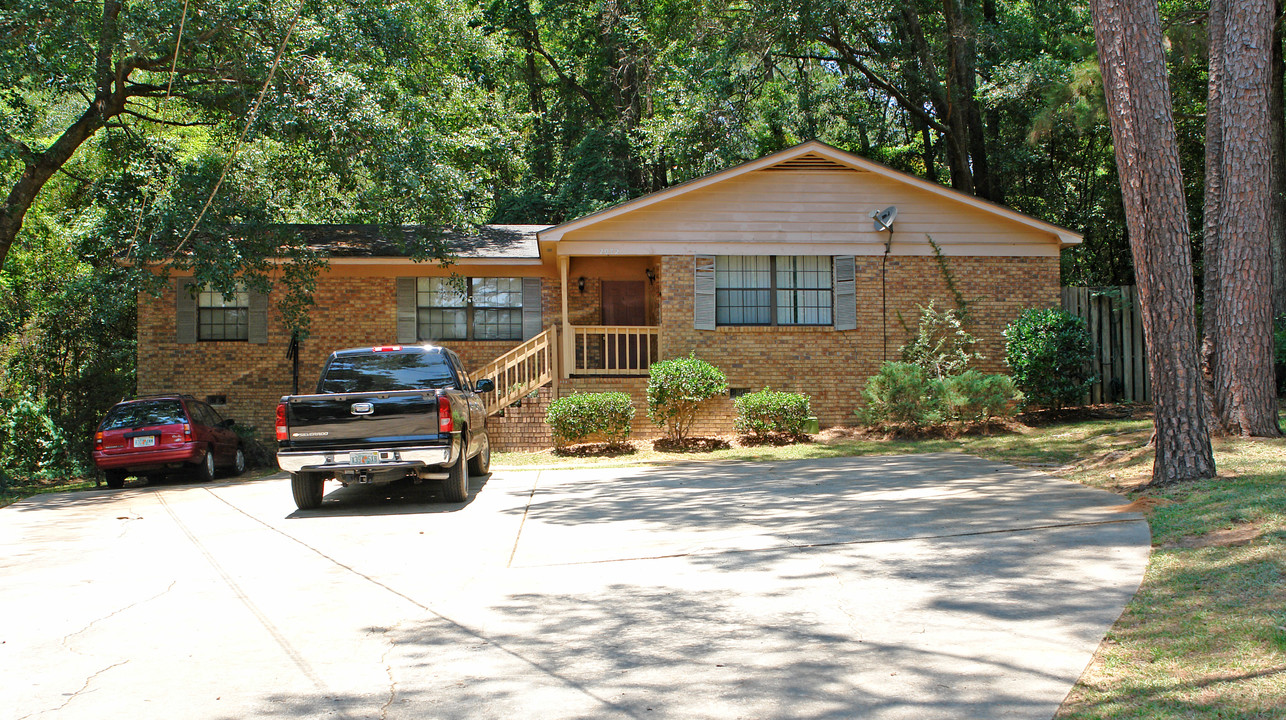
156	434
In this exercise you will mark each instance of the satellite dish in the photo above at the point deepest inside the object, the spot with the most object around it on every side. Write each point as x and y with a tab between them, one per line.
884	218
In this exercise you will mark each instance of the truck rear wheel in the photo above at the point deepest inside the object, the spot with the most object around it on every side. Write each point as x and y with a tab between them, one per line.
307	488
456	487
480	464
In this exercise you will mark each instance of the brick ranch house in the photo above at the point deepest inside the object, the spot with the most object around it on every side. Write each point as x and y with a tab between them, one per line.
773	270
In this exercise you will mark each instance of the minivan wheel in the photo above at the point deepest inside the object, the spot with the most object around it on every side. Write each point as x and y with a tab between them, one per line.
115	478
307	489
205	471
239	463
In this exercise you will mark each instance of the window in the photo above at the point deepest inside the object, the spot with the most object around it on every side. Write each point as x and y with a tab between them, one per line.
776	290
380	372
223	318
469	308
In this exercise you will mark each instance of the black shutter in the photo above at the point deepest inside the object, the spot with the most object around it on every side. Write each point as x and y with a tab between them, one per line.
184	312
845	292
703	291
407	326
257	330
532	308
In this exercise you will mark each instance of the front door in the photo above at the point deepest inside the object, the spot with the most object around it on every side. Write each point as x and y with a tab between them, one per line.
624	303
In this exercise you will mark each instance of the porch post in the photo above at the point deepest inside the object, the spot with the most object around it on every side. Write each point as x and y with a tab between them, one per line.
568	337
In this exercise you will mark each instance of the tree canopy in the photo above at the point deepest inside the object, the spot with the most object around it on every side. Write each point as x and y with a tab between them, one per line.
138	135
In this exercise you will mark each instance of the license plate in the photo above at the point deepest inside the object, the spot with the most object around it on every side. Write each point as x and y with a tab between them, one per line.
144	441
363	458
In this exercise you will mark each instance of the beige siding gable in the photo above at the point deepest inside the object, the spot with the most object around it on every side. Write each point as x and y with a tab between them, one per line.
818	211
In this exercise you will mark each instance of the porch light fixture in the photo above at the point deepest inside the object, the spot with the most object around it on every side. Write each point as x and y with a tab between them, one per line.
651	276
580	284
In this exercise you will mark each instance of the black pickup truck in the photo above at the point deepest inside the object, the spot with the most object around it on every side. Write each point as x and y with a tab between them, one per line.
382	414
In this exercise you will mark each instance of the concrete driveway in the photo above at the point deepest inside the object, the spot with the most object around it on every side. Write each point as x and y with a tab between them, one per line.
935	586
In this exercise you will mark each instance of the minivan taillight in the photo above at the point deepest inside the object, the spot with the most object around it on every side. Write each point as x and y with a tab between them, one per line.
187	432
446	423
282	431
98	441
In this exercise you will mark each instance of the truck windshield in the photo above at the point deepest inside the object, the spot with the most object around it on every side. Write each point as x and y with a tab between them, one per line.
386	372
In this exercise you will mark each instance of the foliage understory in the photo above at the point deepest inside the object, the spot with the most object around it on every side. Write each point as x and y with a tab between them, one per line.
1205	637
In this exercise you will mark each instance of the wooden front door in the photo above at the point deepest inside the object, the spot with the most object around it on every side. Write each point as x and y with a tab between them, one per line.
624	303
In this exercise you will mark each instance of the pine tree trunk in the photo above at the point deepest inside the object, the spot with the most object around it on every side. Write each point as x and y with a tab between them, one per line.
1211	212
1147	156
1277	135
1244	389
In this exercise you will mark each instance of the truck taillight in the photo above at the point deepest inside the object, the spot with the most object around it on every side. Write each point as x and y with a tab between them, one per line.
98	441
446	423
282	431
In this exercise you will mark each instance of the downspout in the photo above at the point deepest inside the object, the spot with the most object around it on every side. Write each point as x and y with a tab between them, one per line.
292	353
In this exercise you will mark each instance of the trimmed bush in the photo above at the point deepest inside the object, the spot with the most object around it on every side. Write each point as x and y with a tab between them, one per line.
675	390
902	393
1048	352
974	397
772	411
581	416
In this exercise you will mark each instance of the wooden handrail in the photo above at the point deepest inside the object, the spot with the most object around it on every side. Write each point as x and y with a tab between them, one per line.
613	349
521	371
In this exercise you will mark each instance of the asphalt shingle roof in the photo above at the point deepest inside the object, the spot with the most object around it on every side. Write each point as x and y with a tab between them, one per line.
509	242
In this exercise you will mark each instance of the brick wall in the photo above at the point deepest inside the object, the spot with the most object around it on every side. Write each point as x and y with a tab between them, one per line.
349	312
523	427
831	366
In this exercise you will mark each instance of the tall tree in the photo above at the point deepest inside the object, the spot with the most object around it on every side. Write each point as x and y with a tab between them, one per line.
371	111
1238	272
1277	137
1137	87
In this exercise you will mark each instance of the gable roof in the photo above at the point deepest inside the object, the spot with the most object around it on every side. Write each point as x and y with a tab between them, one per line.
814	154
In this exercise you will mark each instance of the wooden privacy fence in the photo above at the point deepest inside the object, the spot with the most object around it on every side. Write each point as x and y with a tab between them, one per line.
1115	324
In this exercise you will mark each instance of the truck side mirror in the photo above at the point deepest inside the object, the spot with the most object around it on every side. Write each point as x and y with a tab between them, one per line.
485	385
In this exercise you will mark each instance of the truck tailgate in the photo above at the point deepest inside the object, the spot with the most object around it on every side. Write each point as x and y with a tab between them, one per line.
364	419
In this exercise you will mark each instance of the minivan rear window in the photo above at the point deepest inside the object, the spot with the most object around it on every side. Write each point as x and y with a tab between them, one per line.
145	413
386	372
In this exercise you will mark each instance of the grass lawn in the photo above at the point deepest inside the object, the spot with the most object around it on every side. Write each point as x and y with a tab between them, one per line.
1205	637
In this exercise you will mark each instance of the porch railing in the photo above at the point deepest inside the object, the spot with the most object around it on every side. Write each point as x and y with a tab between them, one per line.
526	368
613	350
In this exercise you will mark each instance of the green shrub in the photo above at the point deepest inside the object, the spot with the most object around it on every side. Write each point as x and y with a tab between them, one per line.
31	445
941	346
772	411
902	393
1049	353
580	416
974	397
675	390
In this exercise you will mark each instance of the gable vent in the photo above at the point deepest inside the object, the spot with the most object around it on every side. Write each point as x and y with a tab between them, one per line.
813	163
